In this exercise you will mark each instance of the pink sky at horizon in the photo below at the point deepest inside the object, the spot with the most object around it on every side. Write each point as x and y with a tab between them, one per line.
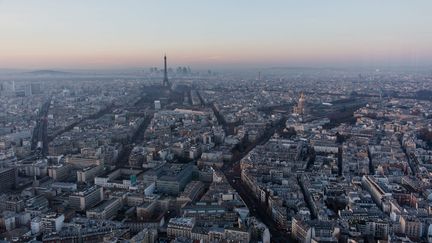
109	34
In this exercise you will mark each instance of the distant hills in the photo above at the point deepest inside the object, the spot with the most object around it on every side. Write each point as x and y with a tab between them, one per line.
47	72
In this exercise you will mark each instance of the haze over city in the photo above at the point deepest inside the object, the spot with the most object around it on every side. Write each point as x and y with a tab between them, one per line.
215	121
214	34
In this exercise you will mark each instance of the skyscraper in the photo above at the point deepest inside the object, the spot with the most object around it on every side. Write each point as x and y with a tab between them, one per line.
8	178
165	80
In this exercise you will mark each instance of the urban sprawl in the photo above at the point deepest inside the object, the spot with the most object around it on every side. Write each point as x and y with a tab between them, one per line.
177	155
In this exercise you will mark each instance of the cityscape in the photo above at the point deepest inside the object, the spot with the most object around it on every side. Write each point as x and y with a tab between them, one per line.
212	150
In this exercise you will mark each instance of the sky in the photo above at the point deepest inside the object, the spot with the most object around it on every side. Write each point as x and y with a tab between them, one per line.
207	33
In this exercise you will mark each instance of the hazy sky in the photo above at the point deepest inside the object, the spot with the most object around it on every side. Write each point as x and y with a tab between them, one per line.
214	33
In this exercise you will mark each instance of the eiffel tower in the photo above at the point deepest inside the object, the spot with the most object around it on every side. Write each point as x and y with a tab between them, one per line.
165	80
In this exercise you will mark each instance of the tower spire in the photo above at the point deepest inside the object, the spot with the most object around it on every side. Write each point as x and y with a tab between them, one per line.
165	80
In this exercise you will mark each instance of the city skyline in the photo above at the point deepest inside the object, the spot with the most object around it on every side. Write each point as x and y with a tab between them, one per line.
205	34
216	121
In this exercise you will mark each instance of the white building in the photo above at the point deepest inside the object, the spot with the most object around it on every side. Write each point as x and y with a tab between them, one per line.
157	105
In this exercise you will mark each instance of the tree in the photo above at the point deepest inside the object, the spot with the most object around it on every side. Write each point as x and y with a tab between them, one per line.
340	139
426	135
